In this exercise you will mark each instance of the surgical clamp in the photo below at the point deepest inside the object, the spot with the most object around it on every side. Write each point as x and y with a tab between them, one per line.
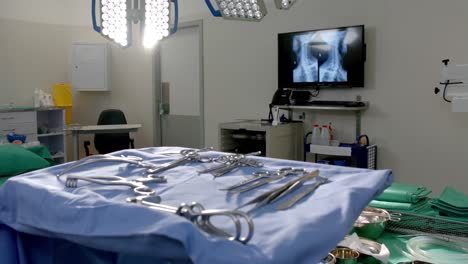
189	155
276	194
229	161
197	214
107	158
279	175
137	185
237	164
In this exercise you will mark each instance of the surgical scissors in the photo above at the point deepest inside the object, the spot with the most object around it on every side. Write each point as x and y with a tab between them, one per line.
283	172
107	158
197	214
137	185
188	155
276	194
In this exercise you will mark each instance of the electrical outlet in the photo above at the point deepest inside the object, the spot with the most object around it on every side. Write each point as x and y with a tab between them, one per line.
299	116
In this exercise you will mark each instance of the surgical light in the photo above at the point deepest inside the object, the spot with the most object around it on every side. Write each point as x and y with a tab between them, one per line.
247	10
156	22
117	17
284	4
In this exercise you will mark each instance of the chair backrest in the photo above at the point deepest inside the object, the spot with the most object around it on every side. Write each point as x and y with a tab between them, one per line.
110	142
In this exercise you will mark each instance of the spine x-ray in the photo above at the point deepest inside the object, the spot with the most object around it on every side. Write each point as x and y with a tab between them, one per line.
319	56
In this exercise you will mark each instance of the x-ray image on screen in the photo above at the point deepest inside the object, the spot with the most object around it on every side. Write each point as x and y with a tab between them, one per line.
319	56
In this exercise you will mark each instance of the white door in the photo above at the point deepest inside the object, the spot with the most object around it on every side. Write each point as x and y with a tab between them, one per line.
181	89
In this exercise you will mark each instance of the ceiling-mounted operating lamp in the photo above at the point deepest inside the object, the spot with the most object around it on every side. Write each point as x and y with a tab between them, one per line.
247	10
117	17
284	4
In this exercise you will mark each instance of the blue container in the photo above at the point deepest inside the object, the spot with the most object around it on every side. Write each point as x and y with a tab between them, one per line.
13	137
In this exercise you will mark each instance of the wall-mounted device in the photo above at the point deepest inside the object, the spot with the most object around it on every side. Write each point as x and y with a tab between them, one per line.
322	58
455	84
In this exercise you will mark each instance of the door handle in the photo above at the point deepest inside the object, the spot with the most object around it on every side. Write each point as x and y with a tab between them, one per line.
163	109
164	106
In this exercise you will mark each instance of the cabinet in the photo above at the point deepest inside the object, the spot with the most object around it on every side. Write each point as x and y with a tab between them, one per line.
90	67
43	125
283	141
21	122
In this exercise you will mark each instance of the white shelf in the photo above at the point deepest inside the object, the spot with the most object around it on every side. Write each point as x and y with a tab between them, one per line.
58	156
324	108
284	141
329	150
51	134
54	119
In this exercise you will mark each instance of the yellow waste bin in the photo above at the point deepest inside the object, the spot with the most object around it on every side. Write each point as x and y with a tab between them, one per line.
63	98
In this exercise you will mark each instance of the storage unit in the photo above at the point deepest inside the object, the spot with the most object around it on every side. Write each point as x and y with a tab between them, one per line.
90	67
43	125
19	122
283	141
51	132
362	157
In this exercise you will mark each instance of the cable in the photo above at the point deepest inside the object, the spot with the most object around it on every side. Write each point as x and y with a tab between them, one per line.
270	114
445	89
447	83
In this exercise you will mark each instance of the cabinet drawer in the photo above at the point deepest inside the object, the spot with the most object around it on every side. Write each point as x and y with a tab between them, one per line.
24	128
17	117
21	128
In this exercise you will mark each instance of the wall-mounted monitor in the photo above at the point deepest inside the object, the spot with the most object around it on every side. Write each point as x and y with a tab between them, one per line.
322	58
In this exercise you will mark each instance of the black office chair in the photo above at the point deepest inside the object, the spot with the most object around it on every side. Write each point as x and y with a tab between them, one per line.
110	142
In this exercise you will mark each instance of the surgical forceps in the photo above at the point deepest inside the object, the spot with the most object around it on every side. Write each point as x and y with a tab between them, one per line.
283	172
258	175
276	194
107	158
189	155
290	203
137	185
197	214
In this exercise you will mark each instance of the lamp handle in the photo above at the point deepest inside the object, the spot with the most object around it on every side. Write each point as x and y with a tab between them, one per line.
176	17
213	11
93	16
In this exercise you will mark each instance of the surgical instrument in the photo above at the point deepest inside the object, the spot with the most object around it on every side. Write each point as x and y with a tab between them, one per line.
276	194
228	160
189	155
107	158
202	218
283	172
258	175
237	164
290	203
137	185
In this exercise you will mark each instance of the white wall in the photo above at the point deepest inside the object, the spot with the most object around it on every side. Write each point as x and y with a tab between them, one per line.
36	55
419	137
63	12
